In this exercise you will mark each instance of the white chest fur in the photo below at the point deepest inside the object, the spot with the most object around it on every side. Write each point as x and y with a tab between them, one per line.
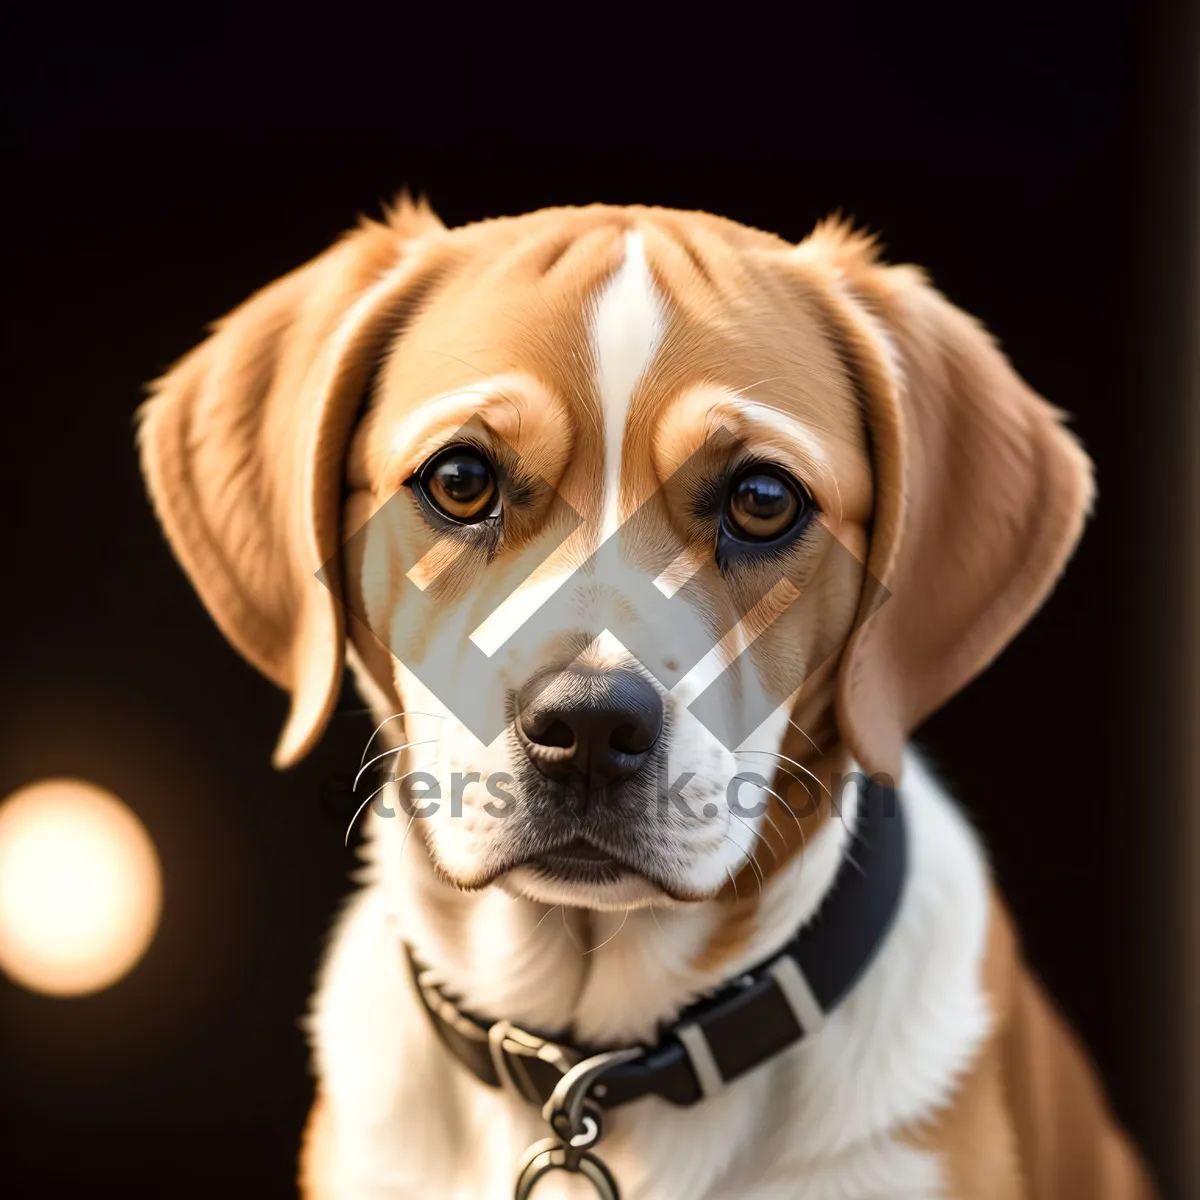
818	1121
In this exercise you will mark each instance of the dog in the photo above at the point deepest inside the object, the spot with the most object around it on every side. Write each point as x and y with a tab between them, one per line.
593	498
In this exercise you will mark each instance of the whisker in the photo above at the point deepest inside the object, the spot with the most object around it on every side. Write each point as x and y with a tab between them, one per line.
794	763
515	407
412	816
610	936
782	839
731	879
455	358
562	908
540	922
799	826
388	720
749	853
754	833
750	860
758	383
803	835
805	732
787	773
379	789
762	787
853	832
394	750
795	779
359	809
544	916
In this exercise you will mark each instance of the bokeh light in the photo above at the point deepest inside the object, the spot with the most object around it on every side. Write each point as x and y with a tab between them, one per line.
80	887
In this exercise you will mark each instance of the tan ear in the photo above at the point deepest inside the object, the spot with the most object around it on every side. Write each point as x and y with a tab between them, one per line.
981	496
242	445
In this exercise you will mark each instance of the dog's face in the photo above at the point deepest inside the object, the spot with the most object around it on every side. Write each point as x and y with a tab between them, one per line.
628	510
584	419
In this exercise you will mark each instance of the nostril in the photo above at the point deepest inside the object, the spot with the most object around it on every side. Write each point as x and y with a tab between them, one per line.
633	738
596	725
544	729
638	715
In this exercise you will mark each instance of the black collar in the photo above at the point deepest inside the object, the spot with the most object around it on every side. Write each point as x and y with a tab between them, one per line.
724	1035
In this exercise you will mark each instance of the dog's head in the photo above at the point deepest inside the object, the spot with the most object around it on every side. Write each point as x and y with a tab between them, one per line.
624	510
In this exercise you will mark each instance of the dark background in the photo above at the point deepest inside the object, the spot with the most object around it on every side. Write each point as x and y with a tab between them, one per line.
162	165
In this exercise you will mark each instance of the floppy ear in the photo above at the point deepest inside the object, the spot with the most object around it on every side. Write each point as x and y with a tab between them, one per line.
981	496
242	445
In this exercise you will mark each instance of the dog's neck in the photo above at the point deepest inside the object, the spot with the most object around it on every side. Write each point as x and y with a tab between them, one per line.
600	977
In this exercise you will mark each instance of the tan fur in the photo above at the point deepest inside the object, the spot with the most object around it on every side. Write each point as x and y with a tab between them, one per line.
981	497
952	485
1030	1120
802	803
1068	1140
317	1154
243	446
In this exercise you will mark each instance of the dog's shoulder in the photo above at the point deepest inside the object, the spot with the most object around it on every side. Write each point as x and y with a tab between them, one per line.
1029	1117
1069	1142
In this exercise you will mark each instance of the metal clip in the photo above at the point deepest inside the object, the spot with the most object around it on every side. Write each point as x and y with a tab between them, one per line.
578	1126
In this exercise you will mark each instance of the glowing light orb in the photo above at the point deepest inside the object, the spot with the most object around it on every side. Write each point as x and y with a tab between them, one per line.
80	887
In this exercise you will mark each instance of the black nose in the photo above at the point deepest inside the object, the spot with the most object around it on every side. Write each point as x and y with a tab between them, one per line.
599	726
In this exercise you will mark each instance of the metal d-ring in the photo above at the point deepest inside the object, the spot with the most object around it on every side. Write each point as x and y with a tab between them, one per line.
579	1127
542	1158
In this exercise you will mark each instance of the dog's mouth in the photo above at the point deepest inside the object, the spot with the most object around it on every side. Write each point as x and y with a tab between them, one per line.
578	861
587	868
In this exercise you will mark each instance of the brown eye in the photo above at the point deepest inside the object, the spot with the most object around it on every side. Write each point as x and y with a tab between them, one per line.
461	484
763	505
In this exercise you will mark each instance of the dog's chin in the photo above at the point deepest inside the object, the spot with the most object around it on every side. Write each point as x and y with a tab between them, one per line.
578	875
601	887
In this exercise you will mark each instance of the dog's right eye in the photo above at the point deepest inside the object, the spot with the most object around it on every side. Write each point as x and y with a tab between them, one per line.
460	483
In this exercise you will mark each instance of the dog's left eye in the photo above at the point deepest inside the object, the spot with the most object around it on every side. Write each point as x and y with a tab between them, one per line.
764	504
461	484
764	512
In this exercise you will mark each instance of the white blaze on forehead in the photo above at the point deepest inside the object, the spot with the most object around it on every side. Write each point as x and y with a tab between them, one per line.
626	325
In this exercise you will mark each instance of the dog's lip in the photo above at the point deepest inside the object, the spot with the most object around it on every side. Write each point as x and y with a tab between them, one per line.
605	869
577	858
578	850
